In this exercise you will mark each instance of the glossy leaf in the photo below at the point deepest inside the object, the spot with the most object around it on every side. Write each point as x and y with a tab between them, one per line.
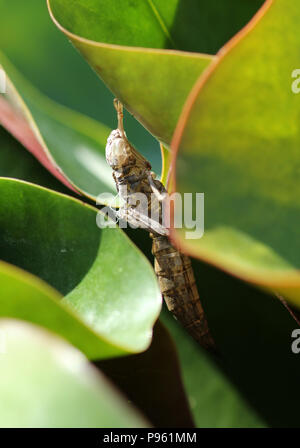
69	145
45	383
19	164
106	281
160	393
236	142
166	158
213	399
253	332
56	69
152	83
234	389
153	381
25	297
150	53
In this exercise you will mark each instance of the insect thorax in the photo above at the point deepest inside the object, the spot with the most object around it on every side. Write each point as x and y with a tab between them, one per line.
130	170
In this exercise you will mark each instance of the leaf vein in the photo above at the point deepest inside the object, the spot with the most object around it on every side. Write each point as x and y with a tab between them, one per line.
161	22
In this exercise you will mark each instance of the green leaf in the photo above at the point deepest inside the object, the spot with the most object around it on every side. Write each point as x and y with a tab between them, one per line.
70	145
106	281
152	82
253	332
253	382
166	158
26	297
46	383
153	381
237	142
150	53
27	167
214	401
52	65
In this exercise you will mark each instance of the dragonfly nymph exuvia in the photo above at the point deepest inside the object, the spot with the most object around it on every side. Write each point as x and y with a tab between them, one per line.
133	177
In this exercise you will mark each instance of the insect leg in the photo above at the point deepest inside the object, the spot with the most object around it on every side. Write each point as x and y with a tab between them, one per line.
160	195
119	108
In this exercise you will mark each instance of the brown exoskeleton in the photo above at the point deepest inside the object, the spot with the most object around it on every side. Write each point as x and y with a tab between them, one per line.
133	176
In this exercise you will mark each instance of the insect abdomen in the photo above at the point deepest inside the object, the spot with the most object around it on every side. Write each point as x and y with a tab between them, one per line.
178	287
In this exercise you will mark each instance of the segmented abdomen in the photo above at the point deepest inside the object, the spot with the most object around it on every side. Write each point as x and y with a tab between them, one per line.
178	287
